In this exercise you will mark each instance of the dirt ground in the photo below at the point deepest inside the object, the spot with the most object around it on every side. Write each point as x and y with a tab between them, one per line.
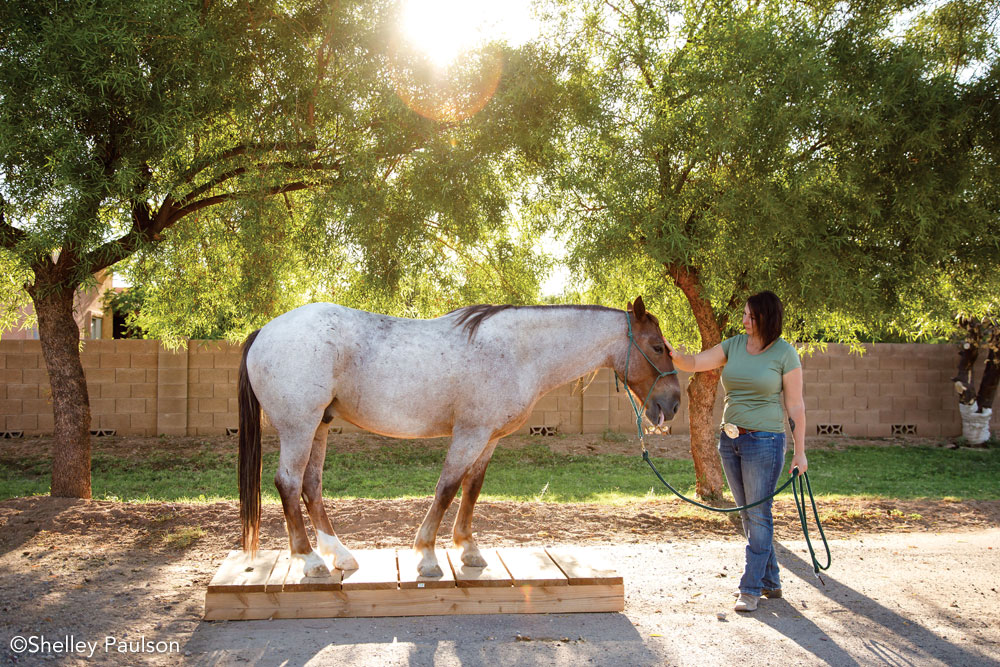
93	569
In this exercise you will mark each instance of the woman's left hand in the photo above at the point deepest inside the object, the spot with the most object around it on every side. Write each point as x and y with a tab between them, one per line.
799	461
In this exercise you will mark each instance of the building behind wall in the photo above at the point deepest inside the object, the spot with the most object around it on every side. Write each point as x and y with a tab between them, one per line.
93	319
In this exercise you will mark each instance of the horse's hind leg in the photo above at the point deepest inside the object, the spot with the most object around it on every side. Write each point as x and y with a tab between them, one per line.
296	446
466	448
327	542
472	484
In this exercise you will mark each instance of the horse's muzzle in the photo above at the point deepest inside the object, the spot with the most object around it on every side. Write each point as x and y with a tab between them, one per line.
662	410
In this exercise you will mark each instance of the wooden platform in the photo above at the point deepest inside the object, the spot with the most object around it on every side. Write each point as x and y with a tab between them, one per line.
515	581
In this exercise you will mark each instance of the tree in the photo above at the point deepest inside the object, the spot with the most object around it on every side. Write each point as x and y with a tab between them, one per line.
978	333
252	126
798	147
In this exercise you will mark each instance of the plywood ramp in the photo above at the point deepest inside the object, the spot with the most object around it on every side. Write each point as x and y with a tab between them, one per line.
515	581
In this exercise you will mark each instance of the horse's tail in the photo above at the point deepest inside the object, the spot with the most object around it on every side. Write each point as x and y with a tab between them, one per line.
250	456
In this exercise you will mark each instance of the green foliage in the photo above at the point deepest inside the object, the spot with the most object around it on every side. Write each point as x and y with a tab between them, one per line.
800	148
248	157
13	276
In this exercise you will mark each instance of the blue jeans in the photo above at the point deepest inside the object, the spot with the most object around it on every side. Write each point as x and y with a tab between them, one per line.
753	462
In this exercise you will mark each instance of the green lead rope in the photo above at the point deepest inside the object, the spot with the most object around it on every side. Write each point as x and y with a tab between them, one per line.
798	490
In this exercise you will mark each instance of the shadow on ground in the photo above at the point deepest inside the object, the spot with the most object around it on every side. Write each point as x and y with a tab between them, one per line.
901	639
570	639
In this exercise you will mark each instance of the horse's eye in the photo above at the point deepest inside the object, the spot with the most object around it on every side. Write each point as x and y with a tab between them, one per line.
658	349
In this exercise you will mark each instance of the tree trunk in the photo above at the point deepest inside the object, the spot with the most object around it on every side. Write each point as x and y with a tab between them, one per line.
967	353
991	373
707	468
60	338
702	390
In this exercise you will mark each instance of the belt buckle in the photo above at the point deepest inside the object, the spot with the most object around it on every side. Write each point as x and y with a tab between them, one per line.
731	430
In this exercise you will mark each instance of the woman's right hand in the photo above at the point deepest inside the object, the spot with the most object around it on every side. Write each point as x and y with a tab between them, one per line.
703	361
799	461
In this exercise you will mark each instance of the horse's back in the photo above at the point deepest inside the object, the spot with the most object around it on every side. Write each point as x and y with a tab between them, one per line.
382	373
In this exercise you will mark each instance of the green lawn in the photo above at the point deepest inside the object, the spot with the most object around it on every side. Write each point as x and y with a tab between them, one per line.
527	474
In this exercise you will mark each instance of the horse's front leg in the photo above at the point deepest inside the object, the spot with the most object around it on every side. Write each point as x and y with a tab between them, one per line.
466	448
472	484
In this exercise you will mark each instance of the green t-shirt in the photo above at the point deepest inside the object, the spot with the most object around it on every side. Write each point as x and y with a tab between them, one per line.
753	383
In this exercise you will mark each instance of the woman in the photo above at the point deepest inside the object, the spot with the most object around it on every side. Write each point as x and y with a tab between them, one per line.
759	370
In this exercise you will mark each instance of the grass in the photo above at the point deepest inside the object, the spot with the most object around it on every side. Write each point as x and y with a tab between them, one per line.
182	538
532	473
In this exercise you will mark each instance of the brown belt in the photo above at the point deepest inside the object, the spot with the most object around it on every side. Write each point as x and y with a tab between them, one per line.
744	431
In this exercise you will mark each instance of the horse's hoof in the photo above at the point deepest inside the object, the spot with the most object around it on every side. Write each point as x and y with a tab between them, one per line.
331	548
314	566
429	570
348	563
320	570
316	570
473	560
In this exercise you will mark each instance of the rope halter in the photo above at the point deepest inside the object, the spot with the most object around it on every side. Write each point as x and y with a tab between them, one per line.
660	374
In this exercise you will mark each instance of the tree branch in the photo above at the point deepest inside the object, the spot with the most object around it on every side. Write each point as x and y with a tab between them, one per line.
187	209
684	176
322	59
583	207
169	213
807	153
242	149
239	171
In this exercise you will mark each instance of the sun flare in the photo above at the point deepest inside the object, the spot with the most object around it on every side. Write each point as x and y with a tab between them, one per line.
443	30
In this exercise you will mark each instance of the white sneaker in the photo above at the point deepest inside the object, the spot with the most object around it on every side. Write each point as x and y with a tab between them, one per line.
746	602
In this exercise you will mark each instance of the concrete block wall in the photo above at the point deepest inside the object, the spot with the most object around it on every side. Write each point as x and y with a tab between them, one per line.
137	387
891	385
122	384
24	387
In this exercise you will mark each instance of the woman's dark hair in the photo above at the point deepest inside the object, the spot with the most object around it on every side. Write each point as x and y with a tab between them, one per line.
767	313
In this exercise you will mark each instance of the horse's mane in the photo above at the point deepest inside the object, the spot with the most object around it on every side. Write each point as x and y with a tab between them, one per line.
471	317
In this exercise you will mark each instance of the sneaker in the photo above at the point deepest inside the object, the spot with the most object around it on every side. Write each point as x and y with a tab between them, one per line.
746	602
770	593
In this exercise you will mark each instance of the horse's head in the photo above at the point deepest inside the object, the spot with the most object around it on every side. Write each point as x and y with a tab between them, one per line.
665	398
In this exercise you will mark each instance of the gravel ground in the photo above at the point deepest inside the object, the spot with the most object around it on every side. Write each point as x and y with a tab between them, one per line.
893	599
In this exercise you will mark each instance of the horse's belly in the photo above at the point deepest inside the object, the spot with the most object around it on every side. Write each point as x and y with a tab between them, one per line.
397	422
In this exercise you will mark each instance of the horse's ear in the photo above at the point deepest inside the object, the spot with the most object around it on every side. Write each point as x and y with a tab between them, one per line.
639	308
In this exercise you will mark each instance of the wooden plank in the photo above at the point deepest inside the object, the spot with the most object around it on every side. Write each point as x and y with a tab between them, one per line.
278	572
494	575
532	567
376	571
416	602
409	578
228	570
296	580
583	567
241	574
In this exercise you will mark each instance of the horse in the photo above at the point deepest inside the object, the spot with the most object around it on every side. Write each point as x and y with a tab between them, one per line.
473	374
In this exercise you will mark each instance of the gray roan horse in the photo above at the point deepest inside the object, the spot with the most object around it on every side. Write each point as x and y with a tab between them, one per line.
474	374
